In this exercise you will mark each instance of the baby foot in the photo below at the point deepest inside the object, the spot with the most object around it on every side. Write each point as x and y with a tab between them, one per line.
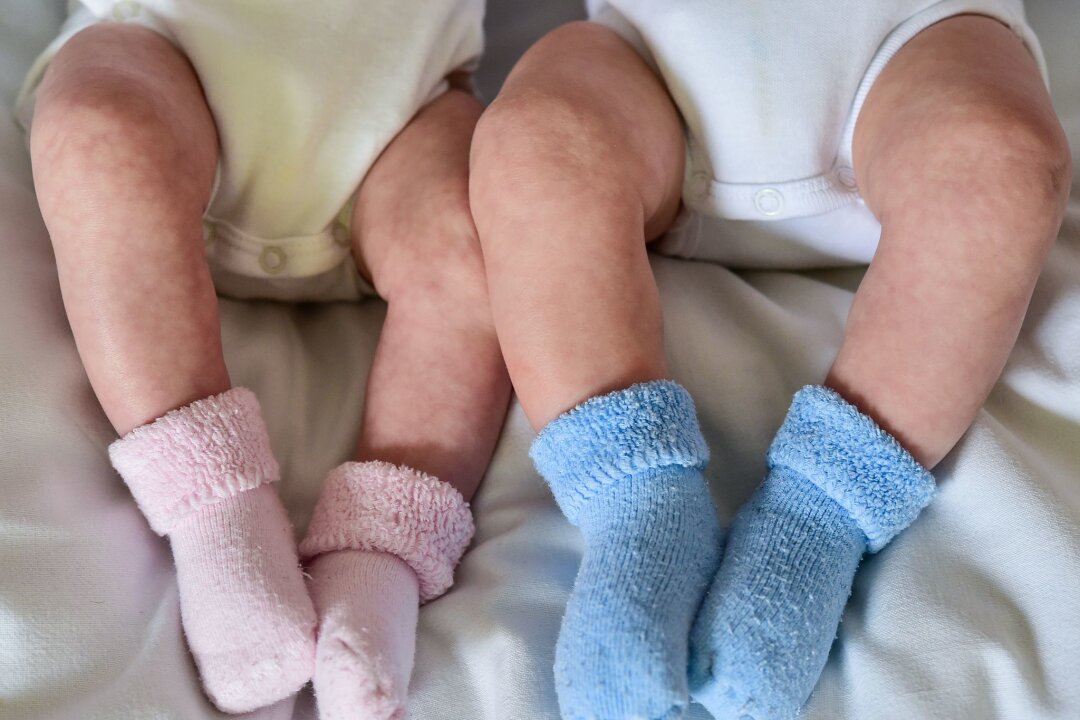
384	539
626	469
368	603
247	616
201	475
837	486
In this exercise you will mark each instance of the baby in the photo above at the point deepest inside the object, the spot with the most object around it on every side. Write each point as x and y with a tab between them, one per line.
284	151
915	133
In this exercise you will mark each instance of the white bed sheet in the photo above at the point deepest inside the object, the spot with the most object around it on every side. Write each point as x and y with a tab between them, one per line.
972	614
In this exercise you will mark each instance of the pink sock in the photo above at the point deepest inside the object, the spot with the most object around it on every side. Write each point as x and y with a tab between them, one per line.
384	539
201	475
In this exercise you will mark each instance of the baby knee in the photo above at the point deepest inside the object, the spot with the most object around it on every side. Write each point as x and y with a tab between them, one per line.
1019	146
536	133
444	268
95	99
581	123
994	153
566	98
104	112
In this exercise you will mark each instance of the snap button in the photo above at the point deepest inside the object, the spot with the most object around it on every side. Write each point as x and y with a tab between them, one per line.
699	184
768	201
272	259
846	177
125	9
341	235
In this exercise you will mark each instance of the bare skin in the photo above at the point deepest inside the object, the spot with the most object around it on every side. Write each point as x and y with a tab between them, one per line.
124	150
958	153
438	389
576	164
960	156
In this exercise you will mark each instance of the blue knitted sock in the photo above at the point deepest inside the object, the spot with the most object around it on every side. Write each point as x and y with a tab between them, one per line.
837	486
625	468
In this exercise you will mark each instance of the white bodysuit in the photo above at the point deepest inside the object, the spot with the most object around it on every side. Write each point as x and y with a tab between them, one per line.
306	95
769	93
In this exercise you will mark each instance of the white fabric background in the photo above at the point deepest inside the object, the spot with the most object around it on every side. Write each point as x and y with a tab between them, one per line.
972	614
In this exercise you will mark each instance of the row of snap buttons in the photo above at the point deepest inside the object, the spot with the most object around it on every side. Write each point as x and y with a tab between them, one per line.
273	258
767	201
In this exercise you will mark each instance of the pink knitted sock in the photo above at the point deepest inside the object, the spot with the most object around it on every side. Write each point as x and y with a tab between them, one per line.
201	475
367	604
384	539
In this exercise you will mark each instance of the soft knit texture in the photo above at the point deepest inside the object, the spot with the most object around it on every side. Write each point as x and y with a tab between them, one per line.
367	604
380	507
626	469
201	475
837	486
849	458
195	456
384	538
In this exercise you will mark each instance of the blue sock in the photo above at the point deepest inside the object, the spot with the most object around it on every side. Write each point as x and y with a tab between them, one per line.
625	468
838	485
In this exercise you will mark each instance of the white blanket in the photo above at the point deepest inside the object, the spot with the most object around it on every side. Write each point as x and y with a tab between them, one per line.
974	613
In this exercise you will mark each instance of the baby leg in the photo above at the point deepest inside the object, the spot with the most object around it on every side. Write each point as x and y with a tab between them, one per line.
576	165
436	399
124	150
959	154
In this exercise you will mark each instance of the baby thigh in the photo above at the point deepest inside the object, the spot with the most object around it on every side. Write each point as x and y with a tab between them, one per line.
575	165
124	150
960	156
438	390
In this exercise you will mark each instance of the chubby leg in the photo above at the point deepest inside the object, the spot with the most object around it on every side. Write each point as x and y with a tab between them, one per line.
438	389
960	156
576	165
969	174
436	399
124	149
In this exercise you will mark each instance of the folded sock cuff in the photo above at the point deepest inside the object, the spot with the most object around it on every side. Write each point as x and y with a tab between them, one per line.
380	507
195	456
611	437
860	466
